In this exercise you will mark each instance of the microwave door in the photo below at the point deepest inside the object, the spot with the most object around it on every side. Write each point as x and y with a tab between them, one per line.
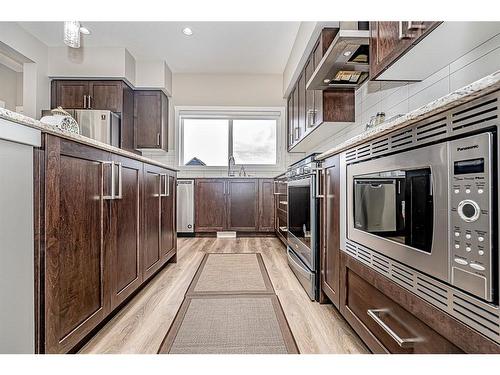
375	207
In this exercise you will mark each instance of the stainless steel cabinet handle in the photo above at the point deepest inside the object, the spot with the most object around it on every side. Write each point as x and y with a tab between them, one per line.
283	229
120	181
84	101
89	102
112	188
284	202
163	187
319	171
158	141
167	183
402	342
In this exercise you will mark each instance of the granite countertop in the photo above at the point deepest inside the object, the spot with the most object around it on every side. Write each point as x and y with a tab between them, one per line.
476	89
49	129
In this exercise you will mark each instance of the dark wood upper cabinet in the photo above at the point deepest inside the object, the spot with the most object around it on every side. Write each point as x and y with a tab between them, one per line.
210	207
330	230
106	95
69	94
151	119
122	242
389	40
309	95
242	204
301	89
115	96
266	205
308	109
75	281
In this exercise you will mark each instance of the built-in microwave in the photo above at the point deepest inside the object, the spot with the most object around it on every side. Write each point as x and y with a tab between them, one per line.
431	208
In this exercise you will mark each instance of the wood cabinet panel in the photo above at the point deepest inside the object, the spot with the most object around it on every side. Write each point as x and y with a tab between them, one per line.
106	95
151	119
168	217
69	94
363	289
389	40
309	95
242	204
151	216
122	242
330	265
75	283
266	205
301	88
210	207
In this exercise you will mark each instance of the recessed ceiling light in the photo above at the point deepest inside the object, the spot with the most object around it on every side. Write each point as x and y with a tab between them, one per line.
347	53
84	30
326	80
187	31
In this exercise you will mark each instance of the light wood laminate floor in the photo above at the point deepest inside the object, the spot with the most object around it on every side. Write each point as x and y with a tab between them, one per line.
140	326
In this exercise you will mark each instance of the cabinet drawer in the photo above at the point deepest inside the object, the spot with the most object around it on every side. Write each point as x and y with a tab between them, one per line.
395	329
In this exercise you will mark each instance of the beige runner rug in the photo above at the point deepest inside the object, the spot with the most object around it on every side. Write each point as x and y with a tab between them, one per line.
230	308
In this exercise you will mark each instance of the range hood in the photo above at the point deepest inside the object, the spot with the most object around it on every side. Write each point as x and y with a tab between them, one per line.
346	62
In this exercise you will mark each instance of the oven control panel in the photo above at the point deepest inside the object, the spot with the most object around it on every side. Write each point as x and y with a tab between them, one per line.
471	215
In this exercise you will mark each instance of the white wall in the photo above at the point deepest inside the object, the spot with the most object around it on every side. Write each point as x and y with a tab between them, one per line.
399	97
263	90
8	87
36	87
153	74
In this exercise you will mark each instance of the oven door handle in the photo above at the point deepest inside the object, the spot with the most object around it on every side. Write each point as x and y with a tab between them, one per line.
319	172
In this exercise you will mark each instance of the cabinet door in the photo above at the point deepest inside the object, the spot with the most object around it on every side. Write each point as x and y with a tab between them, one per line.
168	216
76	300
290	120
151	254
295	117
318	94
302	103
308	71
147	118
266	205
331	227
242	204
210	205
389	40
123	241
70	94
106	95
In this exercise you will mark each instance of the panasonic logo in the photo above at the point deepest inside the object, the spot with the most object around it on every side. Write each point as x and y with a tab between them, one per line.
467	148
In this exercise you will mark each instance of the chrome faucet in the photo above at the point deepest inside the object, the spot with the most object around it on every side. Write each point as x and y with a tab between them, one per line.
231	163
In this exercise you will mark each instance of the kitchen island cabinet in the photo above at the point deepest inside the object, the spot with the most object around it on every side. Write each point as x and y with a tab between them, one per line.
90	211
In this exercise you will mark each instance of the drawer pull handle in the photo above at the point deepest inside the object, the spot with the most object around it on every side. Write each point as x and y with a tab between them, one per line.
402	342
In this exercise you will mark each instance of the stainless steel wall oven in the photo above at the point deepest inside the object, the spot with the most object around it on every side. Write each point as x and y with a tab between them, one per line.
426	199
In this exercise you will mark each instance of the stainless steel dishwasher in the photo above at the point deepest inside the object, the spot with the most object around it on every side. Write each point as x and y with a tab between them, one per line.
185	207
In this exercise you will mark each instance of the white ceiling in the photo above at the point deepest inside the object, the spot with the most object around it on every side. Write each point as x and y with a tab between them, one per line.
214	47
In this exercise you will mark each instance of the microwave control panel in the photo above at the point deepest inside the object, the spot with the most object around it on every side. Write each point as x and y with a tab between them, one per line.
471	215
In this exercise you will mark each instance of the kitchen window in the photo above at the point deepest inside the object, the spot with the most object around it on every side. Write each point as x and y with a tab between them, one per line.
209	139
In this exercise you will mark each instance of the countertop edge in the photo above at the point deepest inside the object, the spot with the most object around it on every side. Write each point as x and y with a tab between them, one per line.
48	129
483	86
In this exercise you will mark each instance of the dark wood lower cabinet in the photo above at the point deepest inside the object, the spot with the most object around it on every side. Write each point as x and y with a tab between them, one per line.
242	204
210	205
122	243
87	236
75	280
234	204
391	319
330	230
266	205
